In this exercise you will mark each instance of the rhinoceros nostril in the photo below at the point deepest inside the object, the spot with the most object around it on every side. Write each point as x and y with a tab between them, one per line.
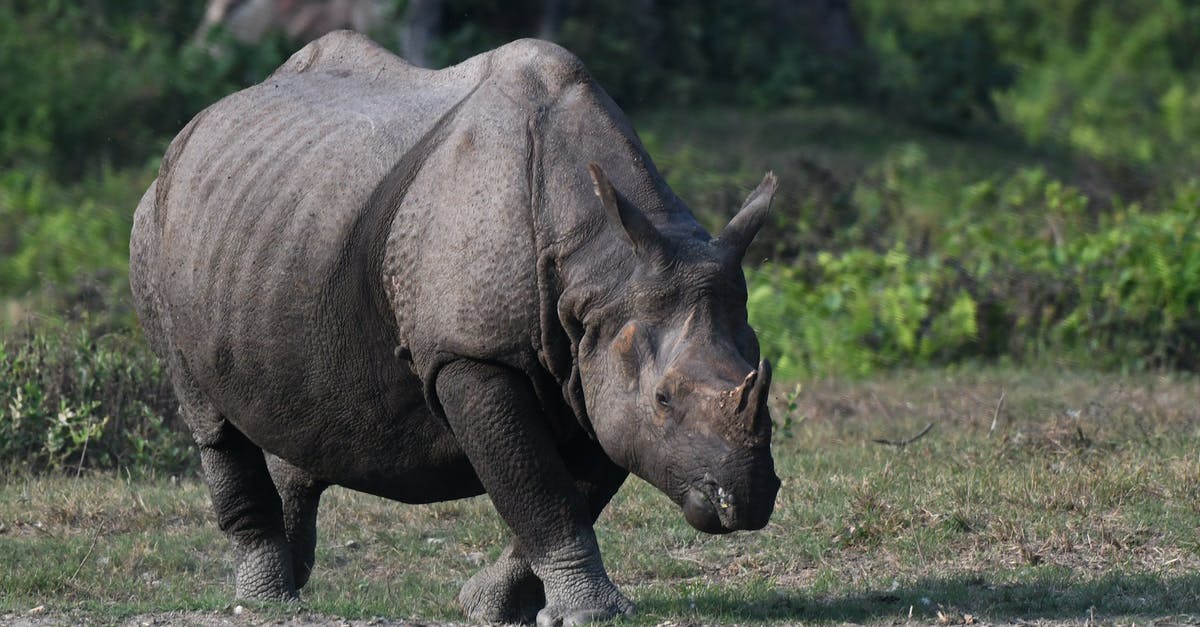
701	512
724	499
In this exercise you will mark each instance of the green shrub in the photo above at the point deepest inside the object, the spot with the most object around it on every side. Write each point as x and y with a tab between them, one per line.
64	250
1027	268
1120	88
74	400
1138	280
942	73
755	52
88	84
855	313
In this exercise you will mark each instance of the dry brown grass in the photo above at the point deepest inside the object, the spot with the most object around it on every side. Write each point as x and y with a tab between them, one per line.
1082	503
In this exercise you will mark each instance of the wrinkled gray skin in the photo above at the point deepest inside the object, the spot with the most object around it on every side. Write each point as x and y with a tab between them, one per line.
424	285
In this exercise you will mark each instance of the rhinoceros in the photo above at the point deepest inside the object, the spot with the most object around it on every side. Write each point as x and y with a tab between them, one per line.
428	285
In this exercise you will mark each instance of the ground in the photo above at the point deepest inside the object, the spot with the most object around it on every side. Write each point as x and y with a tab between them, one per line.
1075	499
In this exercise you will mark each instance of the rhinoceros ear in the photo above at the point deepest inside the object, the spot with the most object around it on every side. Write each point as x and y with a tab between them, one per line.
737	235
647	241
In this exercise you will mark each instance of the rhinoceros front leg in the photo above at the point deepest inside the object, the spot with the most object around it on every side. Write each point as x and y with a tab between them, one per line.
508	591
495	416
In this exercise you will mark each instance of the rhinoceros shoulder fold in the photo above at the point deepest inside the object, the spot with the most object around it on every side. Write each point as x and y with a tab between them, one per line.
341	49
545	69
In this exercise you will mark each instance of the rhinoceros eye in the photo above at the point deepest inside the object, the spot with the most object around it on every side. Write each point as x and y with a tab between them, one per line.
662	399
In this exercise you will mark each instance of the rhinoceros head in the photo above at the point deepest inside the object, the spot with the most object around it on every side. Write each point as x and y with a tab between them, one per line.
675	389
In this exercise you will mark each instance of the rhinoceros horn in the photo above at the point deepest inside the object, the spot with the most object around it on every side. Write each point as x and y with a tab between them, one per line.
647	241
751	395
737	235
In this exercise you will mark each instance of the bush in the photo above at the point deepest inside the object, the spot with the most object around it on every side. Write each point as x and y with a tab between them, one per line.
756	52
85	85
1025	269
68	245
75	400
942	74
1120	87
858	312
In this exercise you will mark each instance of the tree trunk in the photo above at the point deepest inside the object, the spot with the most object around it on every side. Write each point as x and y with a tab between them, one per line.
828	25
422	21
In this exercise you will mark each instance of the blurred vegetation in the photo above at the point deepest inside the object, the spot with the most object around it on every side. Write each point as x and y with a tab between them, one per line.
970	181
73	400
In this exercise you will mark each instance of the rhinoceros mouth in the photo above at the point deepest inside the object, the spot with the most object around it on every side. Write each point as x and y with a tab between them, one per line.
709	508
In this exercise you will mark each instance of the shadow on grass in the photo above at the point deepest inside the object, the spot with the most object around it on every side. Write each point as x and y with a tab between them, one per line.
1049	595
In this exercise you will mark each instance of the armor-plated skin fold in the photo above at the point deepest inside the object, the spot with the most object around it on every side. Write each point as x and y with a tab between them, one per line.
426	285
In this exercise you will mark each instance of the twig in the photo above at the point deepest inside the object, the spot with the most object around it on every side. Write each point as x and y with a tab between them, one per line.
996	415
78	469
904	443
95	538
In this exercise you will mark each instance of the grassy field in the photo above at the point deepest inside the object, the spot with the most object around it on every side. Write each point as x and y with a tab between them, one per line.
1046	496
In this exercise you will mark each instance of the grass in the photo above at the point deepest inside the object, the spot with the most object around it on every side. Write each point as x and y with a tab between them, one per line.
1078	499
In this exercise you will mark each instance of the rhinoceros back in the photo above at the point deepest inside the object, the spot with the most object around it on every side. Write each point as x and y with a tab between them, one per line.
251	255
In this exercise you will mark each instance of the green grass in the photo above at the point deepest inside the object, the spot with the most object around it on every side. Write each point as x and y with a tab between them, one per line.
1082	501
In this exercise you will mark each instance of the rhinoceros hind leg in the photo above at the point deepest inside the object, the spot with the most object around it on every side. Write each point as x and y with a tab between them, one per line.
301	495
244	499
506	591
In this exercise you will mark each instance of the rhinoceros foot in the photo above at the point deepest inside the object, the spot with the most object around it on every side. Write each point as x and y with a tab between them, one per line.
264	572
558	615
581	599
504	592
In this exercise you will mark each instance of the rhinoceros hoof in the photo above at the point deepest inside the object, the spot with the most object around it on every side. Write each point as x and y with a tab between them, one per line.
500	594
265	573
560	616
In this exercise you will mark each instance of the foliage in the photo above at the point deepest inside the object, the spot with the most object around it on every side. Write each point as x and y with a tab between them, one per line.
65	248
1022	269
944	73
1050	215
1111	79
1122	88
685	53
83	85
854	313
74	400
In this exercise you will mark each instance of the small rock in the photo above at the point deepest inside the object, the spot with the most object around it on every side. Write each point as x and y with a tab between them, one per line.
37	610
237	609
435	540
352	545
